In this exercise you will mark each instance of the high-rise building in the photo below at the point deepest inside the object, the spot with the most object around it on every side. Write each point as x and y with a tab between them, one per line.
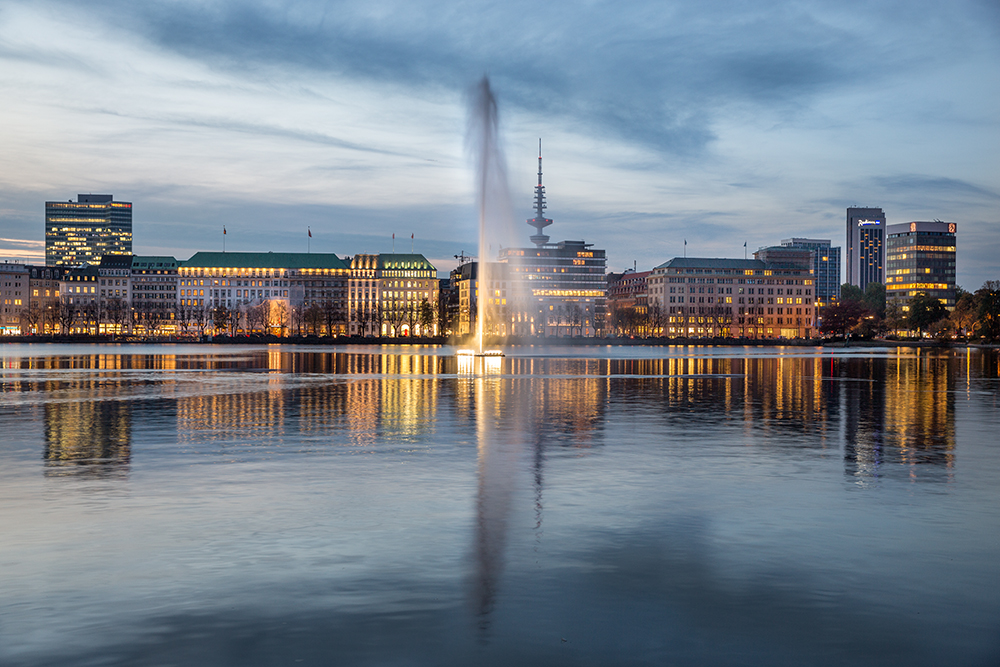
553	289
865	246
81	232
825	265
921	258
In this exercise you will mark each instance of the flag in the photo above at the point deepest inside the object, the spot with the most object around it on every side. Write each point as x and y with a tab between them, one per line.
394	236
223	230
310	232
685	241
411	237
744	244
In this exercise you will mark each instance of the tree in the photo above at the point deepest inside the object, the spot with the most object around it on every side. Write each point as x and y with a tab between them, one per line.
118	314
378	317
67	316
841	317
966	312
874	299
426	318
988	316
278	318
30	317
849	292
220	318
924	311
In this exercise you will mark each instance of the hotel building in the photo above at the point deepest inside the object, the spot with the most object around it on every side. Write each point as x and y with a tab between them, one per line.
387	293
825	266
921	259
865	246
713	298
83	231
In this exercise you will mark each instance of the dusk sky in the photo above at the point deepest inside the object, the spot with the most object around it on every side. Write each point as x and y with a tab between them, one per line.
715	122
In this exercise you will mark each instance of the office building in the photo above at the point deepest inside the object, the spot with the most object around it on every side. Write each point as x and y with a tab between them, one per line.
920	259
81	232
825	265
719	298
865	246
553	289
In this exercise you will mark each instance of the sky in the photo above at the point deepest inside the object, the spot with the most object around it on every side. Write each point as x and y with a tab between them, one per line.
717	123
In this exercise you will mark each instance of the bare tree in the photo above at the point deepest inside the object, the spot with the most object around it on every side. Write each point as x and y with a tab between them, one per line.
30	317
278	316
426	318
117	311
363	315
256	317
377	317
396	316
67	316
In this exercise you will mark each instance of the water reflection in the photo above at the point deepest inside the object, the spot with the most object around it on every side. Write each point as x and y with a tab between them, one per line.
88	437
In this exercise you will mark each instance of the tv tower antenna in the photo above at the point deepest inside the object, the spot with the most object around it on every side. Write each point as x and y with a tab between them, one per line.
539	222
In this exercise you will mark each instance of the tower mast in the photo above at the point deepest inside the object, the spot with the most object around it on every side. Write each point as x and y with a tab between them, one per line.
539	222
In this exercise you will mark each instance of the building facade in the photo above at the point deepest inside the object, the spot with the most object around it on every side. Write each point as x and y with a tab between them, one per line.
83	231
865	246
392	295
553	289
825	265
267	292
14	290
627	305
921	259
719	298
154	289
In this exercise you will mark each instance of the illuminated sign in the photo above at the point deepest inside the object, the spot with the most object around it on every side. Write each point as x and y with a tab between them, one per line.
951	227
867	223
913	226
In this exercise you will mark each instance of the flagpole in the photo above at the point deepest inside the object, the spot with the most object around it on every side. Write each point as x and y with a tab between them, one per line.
309	239
411	244
223	238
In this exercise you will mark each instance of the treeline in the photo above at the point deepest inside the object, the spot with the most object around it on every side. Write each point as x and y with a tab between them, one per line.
976	316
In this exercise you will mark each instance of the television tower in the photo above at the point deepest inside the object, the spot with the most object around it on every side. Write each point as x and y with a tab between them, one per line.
539	222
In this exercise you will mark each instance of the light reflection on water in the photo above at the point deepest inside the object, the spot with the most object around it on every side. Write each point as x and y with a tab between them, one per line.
370	505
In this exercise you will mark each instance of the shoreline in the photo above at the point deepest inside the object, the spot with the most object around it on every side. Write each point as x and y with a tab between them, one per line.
513	341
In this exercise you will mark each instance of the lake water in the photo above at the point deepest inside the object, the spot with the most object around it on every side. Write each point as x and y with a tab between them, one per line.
207	505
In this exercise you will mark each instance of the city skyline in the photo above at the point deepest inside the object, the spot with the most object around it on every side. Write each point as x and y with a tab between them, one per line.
741	124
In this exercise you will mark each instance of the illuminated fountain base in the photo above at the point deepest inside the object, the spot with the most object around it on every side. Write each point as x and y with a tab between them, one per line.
484	353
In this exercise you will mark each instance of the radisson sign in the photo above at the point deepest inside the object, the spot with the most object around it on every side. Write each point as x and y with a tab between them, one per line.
868	223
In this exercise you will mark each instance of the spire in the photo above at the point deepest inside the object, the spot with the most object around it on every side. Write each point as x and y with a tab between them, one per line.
539	222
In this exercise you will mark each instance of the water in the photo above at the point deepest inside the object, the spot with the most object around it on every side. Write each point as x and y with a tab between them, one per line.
581	506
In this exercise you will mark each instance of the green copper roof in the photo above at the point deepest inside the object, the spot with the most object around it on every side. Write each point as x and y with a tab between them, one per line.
393	261
154	262
265	260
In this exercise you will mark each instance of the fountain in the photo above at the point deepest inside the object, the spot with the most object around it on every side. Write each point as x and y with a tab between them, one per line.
496	219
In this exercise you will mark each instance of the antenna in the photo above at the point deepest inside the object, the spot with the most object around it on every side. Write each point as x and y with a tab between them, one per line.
539	222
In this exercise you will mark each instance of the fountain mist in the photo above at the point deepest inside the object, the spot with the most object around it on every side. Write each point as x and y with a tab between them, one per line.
496	213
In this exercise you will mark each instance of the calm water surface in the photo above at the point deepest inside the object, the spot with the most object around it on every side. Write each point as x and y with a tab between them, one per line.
172	505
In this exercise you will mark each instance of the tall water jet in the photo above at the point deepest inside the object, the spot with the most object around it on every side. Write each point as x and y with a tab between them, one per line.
496	213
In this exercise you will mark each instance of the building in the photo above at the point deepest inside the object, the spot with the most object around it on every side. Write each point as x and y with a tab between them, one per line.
392	295
263	291
865	246
628	314
79	300
825	266
465	284
14	286
553	289
920	259
81	232
42	315
712	298
154	290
